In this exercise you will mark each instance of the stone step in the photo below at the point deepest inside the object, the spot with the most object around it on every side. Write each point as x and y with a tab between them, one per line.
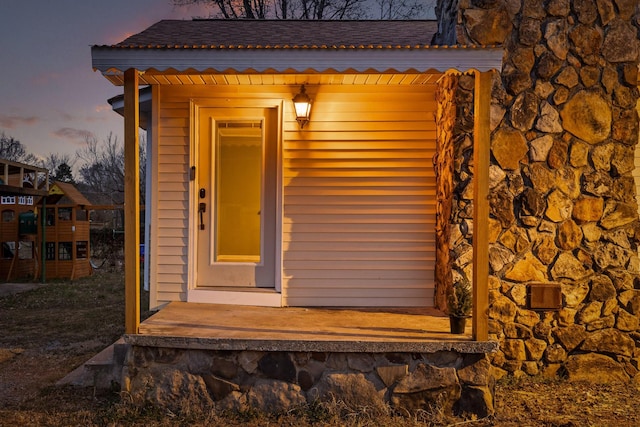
102	371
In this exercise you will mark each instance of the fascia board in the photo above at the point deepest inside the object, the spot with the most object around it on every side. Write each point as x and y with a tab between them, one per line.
117	60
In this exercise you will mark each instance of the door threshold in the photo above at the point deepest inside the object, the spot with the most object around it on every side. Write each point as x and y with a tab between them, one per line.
261	297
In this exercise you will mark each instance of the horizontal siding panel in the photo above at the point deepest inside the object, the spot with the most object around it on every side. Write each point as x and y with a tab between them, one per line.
358	237
173	143
415	209
176	206
170	131
172	223
361	255
294	147
366	105
374	229
340	116
178	149
173	166
385	275
364	136
360	218
173	241
357	283
325	182
176	269
344	245
424	190
170	196
167	261
361	154
373	265
389	162
317	199
176	112
357	293
171	278
172	288
170	251
167	297
175	122
172	214
171	232
175	186
336	125
353	173
340	301
172	177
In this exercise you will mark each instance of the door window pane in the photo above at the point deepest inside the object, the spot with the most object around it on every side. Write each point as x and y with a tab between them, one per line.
238	188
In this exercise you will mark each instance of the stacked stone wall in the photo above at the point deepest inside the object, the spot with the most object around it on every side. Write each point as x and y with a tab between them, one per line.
174	378
454	189
563	203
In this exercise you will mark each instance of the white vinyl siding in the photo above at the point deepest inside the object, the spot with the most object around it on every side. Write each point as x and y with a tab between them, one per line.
358	197
171	193
359	192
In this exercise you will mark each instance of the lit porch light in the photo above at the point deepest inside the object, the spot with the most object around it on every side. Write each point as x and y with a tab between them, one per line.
302	105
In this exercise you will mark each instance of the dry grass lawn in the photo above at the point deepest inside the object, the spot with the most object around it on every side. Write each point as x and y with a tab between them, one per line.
49	331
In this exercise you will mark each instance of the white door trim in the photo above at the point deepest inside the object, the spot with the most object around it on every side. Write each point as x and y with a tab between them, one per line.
266	297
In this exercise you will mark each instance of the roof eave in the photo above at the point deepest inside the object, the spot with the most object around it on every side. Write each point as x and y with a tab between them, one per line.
110	60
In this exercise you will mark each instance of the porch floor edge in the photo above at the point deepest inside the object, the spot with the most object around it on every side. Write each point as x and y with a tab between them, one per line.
192	343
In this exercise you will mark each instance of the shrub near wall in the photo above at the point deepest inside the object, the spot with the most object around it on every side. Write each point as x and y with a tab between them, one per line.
563	202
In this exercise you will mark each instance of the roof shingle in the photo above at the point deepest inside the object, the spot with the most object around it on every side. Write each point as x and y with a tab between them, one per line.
221	33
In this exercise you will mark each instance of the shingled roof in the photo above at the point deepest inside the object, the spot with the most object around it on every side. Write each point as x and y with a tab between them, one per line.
224	33
67	193
208	47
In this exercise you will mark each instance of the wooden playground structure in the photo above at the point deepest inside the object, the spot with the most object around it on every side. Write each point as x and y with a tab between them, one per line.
44	227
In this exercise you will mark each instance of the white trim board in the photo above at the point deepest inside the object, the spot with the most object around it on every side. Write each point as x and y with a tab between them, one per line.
254	297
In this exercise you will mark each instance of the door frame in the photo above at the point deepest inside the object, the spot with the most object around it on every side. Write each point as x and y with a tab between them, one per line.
271	297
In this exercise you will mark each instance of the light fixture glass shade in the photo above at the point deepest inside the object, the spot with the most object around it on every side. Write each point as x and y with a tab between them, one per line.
302	105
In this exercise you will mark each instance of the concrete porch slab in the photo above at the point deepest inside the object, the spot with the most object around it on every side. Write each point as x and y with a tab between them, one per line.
233	327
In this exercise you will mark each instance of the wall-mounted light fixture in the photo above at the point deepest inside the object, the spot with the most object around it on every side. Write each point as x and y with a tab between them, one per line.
302	105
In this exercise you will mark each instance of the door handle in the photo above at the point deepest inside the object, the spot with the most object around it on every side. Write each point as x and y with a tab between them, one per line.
202	208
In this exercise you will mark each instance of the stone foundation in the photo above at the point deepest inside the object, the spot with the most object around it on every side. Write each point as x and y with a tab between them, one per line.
277	381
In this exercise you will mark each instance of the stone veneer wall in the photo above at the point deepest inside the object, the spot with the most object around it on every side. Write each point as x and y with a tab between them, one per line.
443	164
563	203
278	381
454	188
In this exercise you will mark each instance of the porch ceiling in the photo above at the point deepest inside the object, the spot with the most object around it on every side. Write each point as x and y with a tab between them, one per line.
391	78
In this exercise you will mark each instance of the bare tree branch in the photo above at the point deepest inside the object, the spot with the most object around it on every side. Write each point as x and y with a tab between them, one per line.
315	9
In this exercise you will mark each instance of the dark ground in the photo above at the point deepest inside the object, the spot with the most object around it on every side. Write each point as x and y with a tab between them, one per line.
49	330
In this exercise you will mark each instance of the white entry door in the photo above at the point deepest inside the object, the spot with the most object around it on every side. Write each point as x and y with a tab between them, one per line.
236	197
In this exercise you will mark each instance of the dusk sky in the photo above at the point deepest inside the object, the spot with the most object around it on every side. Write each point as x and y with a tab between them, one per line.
50	98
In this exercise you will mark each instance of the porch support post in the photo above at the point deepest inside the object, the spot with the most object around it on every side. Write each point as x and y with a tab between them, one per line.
481	156
131	202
